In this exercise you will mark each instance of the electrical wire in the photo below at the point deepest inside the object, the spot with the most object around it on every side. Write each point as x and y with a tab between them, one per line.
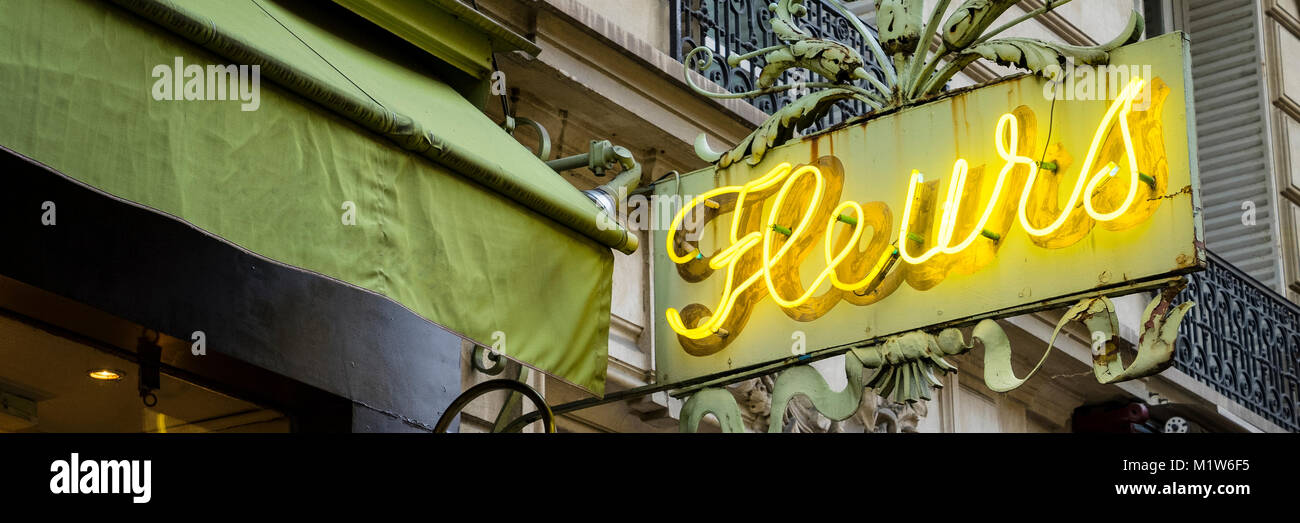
318	55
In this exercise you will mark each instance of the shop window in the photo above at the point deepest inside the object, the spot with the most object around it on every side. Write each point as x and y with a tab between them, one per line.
50	383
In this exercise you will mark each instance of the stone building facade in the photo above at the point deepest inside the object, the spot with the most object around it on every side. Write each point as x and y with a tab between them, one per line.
610	69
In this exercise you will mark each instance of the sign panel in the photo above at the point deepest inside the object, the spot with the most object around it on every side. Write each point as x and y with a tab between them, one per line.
983	203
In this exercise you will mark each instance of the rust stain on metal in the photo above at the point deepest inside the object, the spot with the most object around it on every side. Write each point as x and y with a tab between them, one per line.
1185	190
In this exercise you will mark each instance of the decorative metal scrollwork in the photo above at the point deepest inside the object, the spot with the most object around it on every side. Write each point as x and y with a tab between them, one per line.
908	71
741	27
907	366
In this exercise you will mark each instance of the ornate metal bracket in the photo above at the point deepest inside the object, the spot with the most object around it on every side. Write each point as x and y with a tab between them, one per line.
480	354
543	138
911	72
548	418
907	364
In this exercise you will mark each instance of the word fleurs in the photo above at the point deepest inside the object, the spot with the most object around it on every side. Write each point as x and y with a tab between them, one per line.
218	82
764	252
102	477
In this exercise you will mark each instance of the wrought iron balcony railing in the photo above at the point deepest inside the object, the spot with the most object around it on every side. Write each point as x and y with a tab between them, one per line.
740	26
1243	339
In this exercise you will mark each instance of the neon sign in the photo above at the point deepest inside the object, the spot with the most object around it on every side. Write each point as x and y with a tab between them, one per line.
792	211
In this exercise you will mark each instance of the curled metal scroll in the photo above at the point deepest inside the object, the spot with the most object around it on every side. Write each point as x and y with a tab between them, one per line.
548	417
718	402
807	381
907	363
480	354
512	123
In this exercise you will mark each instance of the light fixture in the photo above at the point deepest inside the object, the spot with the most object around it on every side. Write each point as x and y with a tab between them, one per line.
106	374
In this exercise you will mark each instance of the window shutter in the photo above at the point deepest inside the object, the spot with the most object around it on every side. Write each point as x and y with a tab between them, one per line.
1231	129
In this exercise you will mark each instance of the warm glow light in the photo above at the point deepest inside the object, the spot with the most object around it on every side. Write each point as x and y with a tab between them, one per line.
1007	120
851	213
105	374
729	256
1008	126
947	222
907	218
1121	106
795	232
1111	169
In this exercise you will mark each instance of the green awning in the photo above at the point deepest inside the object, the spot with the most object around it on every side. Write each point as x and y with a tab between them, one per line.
454	219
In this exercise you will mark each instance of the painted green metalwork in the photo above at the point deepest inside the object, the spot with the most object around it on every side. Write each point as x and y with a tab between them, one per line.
512	124
907	363
805	380
453	410
1160	322
912	72
479	354
718	402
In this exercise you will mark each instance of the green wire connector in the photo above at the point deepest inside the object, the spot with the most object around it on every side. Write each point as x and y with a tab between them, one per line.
699	255
1048	166
783	230
991	235
847	219
1148	179
916	237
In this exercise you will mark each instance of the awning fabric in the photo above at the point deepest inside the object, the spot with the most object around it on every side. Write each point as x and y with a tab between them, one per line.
507	261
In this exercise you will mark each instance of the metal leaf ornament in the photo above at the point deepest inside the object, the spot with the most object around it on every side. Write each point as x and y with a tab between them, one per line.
1038	56
900	28
832	60
839	64
779	128
969	21
911	72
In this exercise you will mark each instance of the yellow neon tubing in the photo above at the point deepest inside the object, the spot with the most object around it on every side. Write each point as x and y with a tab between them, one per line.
726	256
730	255
1109	171
1127	96
1007	120
907	217
834	262
728	300
677	222
956	187
946	221
772	177
767	180
853	239
769	260
1124	100
871	276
